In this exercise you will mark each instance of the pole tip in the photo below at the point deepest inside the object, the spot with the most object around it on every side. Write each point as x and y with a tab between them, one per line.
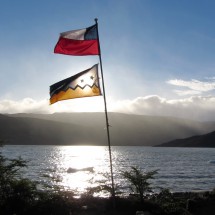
96	20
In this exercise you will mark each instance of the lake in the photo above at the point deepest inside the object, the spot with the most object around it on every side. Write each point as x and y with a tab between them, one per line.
79	167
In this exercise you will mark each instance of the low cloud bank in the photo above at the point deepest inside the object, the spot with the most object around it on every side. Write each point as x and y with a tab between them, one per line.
27	105
196	107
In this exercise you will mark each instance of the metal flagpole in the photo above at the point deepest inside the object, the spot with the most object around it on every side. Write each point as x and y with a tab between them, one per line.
106	114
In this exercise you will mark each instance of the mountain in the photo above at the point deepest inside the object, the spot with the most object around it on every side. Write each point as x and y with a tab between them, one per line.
90	128
25	130
206	140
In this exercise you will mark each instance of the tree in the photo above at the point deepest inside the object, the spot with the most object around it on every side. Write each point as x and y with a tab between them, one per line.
16	193
20	195
139	183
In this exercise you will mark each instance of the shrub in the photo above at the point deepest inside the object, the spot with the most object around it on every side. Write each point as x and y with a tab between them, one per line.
139	181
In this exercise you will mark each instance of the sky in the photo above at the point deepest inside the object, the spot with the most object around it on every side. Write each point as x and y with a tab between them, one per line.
158	56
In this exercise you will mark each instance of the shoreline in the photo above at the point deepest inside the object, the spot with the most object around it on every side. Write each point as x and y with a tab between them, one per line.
163	203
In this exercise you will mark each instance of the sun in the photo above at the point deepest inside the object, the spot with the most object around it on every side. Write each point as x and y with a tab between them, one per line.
87	104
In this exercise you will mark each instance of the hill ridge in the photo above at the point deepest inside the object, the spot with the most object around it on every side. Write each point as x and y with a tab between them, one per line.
89	128
205	140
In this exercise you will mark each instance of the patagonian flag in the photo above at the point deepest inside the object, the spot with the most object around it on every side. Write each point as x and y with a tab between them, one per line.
78	42
83	84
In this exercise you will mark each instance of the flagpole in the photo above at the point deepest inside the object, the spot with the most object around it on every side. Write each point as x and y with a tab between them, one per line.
106	115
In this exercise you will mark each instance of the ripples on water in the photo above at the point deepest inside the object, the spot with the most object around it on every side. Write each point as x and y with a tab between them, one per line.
79	167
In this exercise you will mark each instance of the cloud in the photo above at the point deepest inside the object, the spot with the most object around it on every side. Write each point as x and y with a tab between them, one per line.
26	105
29	105
195	86
187	92
210	78
196	107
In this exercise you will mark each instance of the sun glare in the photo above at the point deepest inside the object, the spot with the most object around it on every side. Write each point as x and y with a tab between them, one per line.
87	104
79	164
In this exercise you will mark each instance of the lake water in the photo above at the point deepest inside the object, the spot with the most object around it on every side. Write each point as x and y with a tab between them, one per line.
79	167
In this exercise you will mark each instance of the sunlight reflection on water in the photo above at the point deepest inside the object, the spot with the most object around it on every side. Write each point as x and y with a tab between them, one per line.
79	167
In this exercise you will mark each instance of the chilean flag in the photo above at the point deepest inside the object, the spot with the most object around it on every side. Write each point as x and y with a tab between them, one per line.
78	42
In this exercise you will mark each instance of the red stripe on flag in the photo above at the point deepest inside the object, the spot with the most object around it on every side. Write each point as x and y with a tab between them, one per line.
76	47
